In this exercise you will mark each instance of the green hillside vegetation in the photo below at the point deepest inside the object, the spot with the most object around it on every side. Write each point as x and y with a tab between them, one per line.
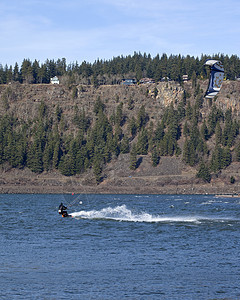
45	143
92	139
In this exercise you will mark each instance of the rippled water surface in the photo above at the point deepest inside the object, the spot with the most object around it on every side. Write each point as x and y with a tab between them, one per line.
120	247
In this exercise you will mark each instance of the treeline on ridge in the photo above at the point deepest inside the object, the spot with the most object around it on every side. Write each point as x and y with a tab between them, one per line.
112	71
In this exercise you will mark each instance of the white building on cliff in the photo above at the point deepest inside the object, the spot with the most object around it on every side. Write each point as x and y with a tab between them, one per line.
54	80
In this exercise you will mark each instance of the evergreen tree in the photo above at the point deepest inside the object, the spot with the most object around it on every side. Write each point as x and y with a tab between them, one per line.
218	134
174	130
232	179
47	157
213	118
204	172
56	154
125	147
16	74
98	106
204	131
216	161
27	71
115	147
189	111
74	92
80	160
118	132
133	157
59	112
119	119
133	127
19	152
189	153
142	118
34	157
159	133
155	157
142	143
66	165
181	112
226	157
107	155
98	164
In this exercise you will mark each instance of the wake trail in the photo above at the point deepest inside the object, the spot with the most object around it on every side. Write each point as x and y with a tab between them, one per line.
122	213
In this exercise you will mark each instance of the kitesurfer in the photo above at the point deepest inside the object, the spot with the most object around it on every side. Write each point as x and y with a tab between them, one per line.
62	210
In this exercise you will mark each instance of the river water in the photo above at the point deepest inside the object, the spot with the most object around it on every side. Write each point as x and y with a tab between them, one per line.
120	247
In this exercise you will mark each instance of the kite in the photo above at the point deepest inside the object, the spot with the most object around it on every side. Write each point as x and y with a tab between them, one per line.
216	77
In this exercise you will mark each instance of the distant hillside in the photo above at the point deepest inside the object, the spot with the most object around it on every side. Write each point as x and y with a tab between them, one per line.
162	137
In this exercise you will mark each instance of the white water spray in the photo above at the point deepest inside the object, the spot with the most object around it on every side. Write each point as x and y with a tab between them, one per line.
122	213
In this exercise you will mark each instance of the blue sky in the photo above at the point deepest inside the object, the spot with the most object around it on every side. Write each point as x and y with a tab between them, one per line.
90	29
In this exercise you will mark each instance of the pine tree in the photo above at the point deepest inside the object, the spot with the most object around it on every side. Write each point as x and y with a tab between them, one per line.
107	155
16	75
115	147
119	119
125	147
174	130
181	110
133	127
98	164
226	158
98	106
216	161
20	153
218	134
170	145
232	179
189	111
27	71
142	143
58	113
133	157
47	157
186	130
189	153
66	165
142	118
34	157
74	92
204	172
204	131
159	133
155	157
56	154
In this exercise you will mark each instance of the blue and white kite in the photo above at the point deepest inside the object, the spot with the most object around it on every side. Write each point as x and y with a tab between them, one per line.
216	77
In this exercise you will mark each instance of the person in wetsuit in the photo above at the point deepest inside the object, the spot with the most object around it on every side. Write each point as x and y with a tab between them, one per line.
62	210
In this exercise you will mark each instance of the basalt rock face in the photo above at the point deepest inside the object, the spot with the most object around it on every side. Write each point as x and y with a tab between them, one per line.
23	99
170	176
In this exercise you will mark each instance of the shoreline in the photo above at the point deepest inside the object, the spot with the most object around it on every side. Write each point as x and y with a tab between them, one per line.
104	189
15	181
